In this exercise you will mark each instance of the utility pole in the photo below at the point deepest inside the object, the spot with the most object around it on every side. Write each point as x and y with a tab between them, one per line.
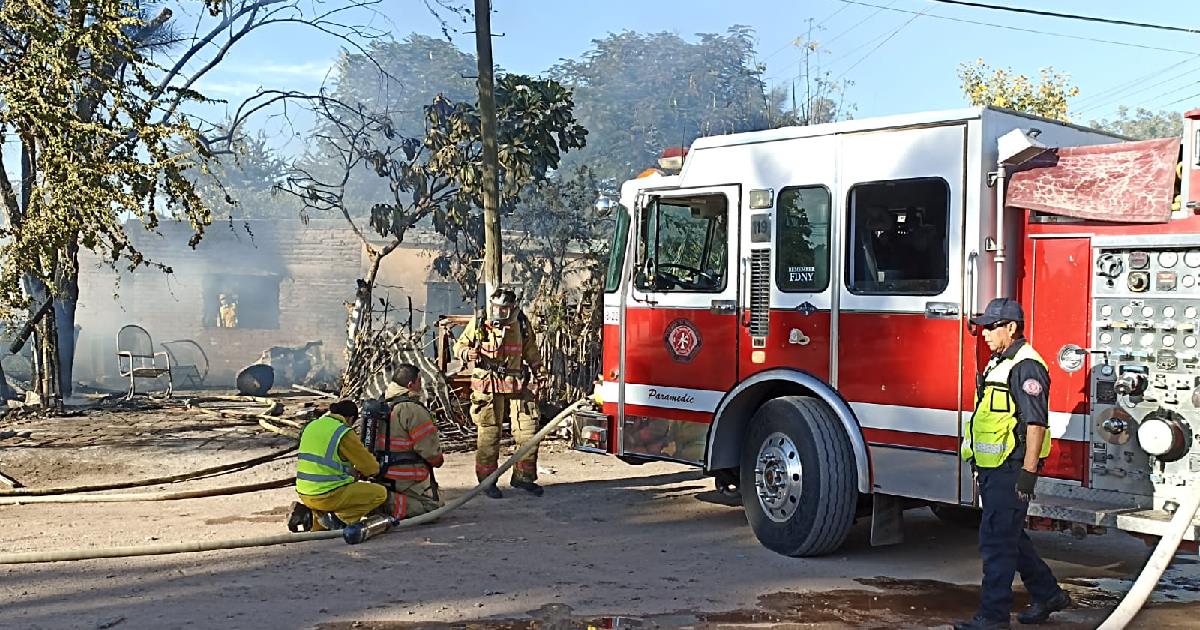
492	254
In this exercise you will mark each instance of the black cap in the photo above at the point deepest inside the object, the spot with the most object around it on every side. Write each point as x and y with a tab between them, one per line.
344	408
1000	310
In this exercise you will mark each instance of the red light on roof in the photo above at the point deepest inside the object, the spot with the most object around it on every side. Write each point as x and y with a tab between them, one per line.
1194	114
671	159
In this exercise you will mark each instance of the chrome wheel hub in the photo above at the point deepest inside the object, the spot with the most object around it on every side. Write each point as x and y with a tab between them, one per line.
777	477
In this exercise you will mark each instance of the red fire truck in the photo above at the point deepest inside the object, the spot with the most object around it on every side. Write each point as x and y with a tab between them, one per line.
789	312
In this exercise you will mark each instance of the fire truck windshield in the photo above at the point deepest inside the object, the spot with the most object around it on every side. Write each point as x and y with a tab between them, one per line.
683	244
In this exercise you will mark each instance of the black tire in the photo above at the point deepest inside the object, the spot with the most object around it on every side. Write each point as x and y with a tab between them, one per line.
959	515
817	520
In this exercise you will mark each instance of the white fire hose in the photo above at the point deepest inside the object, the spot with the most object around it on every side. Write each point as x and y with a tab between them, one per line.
1155	566
30	557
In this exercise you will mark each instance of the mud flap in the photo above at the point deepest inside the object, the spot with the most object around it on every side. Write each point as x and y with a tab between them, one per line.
887	520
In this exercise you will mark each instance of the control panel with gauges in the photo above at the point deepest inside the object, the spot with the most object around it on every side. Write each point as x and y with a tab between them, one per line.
1145	374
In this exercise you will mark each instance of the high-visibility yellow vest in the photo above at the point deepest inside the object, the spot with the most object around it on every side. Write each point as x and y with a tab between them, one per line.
319	467
988	435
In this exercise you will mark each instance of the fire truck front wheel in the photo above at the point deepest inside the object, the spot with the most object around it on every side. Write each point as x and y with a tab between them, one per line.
797	477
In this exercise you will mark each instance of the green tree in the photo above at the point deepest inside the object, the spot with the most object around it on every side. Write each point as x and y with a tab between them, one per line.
640	93
242	182
437	177
1143	124
77	93
94	93
1001	87
814	96
396	79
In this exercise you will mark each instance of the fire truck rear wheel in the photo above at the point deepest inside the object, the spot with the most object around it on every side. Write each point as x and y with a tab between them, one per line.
798	477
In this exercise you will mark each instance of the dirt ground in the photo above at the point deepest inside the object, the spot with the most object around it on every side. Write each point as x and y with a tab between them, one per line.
609	546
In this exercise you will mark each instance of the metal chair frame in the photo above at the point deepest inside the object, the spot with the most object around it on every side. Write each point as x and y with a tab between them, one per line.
135	364
191	372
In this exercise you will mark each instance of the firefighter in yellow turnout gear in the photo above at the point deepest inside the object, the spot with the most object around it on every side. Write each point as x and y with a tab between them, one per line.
499	348
329	455
413	448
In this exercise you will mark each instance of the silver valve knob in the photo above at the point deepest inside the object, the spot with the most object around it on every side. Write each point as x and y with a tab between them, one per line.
1131	384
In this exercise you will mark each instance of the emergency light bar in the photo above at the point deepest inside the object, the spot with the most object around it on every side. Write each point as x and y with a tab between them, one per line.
671	158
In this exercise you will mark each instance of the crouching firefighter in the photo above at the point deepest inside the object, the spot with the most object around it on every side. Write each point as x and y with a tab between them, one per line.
408	448
330	455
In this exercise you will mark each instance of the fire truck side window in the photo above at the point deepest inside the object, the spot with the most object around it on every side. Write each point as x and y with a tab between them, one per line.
616	258
684	245
802	239
899	240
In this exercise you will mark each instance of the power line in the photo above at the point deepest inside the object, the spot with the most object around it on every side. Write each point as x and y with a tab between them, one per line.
792	42
1186	98
1105	102
1095	99
878	46
1024	30
1070	16
879	9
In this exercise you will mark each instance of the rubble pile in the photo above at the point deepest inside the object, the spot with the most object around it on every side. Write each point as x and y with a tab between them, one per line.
375	356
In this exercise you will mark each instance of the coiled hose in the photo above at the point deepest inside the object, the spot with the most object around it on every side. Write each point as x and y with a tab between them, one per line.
30	557
1155	566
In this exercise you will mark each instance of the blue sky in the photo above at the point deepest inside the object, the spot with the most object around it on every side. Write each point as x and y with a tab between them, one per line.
901	58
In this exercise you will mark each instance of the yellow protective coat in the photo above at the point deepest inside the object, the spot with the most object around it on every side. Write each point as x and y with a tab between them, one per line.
411	429
498	394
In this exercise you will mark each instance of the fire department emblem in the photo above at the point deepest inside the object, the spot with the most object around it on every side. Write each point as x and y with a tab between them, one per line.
682	340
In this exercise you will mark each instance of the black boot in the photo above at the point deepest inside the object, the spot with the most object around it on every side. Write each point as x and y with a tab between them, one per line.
1039	612
301	518
982	623
331	521
493	492
528	486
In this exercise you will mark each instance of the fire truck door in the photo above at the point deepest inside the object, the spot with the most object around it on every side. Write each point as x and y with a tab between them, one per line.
680	321
899	347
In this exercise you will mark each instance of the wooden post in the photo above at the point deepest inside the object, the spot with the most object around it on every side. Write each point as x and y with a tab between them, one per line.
492	254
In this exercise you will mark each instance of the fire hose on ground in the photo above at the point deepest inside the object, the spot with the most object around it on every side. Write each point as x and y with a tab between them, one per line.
151	496
120	485
1155	566
30	557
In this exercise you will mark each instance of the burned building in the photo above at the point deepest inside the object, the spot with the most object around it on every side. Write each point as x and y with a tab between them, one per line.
247	289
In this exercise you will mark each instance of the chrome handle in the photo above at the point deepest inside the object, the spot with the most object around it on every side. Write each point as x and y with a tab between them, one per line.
941	310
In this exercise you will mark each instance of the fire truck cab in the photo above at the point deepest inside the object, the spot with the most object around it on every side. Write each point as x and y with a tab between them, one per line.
790	313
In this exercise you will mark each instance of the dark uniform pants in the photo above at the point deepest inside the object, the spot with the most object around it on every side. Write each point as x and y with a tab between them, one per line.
1005	547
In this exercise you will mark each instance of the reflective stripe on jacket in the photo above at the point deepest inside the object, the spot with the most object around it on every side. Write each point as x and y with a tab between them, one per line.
503	351
989	434
319	466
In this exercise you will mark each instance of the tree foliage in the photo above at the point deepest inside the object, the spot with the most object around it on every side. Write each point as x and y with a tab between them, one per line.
1001	87
640	93
76	91
1143	124
438	176
242	183
814	97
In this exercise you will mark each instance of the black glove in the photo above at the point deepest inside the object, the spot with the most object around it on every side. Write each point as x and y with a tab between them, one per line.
1025	483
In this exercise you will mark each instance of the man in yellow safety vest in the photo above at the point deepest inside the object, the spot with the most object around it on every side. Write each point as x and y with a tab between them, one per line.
330	453
1006	439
